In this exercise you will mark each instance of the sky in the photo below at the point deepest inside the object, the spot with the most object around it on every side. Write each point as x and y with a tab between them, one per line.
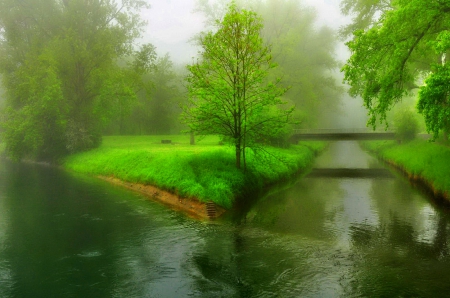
171	24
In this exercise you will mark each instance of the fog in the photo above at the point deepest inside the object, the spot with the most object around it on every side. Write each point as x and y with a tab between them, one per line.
173	24
149	81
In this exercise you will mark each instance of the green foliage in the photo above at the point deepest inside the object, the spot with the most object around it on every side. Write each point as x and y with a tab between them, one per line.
35	125
391	52
425	159
163	107
205	171
58	61
434	100
303	51
228	92
406	125
366	14
156	109
305	54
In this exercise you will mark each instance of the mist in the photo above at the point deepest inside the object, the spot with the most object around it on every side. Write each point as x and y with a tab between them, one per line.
303	38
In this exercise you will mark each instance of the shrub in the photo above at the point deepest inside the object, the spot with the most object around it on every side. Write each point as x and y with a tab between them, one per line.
406	125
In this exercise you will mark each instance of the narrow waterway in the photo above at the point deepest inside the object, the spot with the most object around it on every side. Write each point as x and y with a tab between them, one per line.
68	235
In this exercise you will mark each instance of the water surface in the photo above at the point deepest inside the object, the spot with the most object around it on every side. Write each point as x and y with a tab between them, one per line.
68	235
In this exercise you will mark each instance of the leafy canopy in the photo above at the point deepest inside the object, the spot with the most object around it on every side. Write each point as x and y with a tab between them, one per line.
58	61
303	51
228	89
393	49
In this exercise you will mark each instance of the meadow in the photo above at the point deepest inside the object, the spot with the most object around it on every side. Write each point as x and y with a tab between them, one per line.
420	158
205	171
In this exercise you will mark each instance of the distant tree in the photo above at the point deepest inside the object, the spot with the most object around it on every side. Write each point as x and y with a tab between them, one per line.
58	60
395	45
156	109
136	68
165	95
406	125
305	54
228	91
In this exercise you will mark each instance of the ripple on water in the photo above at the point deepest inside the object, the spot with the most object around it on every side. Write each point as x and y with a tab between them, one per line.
89	254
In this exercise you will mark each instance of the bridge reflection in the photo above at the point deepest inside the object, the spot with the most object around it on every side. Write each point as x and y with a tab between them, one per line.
350	173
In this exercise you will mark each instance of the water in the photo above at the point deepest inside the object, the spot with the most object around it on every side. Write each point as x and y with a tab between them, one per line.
67	235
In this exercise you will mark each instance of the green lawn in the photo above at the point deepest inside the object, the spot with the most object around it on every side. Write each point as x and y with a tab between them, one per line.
205	171
429	160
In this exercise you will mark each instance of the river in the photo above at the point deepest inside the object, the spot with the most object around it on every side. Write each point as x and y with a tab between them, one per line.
68	235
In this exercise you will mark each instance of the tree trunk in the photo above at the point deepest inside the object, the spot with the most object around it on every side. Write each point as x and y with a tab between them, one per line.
238	156
445	132
192	140
243	157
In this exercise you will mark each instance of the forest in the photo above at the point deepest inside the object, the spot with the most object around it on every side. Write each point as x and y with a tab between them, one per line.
71	78
263	69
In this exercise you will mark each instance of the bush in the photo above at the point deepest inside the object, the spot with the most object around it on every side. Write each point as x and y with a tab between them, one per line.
406	125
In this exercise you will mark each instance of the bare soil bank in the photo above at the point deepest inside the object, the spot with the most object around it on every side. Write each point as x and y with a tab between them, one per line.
190	206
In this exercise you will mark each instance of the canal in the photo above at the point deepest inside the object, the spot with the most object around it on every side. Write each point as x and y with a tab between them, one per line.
68	235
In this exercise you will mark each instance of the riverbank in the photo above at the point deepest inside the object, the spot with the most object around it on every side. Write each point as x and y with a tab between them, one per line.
422	161
200	173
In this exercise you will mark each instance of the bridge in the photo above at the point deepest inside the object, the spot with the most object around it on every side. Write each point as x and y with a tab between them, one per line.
357	134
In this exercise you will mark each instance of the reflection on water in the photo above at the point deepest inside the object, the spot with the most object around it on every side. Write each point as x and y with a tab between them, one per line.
63	235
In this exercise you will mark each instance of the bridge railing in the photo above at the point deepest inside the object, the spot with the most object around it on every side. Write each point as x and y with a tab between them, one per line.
338	131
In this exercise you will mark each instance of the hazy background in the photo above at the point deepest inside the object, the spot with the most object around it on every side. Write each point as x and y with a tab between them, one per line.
173	23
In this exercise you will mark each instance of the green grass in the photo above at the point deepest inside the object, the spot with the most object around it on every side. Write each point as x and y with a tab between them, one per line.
205	171
430	161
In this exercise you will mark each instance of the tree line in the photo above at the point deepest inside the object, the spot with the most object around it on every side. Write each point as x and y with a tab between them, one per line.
71	73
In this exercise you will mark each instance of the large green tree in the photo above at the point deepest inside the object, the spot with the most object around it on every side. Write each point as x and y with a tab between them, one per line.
303	50
395	45
58	60
228	91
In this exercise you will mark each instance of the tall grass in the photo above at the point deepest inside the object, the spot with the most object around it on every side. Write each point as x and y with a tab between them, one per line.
431	161
205	171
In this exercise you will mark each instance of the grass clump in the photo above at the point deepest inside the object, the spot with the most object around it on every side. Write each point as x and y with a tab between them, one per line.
425	159
205	171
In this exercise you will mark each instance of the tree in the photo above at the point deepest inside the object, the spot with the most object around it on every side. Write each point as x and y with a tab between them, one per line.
393	49
58	61
406	125
434	101
303	51
157	108
228	91
163	107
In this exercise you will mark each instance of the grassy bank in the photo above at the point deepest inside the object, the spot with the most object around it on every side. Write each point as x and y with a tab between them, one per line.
421	159
205	171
